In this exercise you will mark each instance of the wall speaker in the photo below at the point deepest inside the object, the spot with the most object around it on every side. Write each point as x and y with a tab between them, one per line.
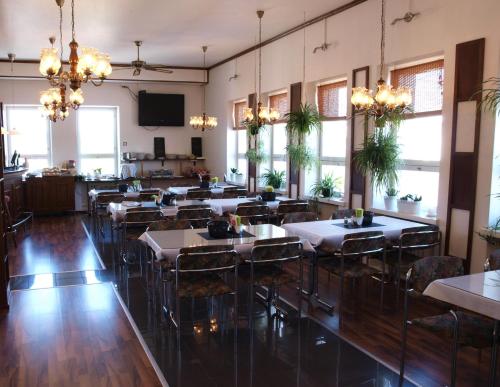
196	148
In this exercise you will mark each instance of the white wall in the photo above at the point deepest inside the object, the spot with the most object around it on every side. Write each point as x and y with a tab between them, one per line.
355	36
64	138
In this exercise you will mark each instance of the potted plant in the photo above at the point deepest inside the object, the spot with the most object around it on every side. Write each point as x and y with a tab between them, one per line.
390	199
300	124
256	155
268	195
274	178
410	204
326	186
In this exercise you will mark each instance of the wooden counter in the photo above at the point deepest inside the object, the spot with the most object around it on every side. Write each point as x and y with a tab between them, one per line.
50	194
13	183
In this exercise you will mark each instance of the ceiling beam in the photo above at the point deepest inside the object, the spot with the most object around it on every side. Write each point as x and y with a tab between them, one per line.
299	27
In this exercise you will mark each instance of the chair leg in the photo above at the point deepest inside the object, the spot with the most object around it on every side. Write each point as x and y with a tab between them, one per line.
403	342
454	351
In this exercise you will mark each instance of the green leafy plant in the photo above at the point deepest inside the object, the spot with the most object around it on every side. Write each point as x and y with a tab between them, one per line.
490	234
379	157
274	178
391	192
252	128
299	125
256	155
233	170
301	156
491	95
326	187
411	198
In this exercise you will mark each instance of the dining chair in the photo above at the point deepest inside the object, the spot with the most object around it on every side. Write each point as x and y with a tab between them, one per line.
201	272
404	253
254	214
100	212
493	261
343	213
198	215
288	206
134	224
352	260
464	328
266	269
198	194
147	196
299	217
234	193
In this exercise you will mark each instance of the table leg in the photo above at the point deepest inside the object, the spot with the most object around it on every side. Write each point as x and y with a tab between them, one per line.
313	287
494	350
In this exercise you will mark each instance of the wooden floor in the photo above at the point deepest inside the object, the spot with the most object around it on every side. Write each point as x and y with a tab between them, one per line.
54	245
71	336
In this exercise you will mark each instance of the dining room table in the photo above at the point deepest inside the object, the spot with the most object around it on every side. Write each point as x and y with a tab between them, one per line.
326	236
217	190
479	293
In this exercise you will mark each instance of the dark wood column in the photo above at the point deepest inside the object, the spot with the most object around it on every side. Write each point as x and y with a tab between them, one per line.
295	101
466	126
4	262
359	131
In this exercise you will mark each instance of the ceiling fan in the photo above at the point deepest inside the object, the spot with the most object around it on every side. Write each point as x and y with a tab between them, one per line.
138	65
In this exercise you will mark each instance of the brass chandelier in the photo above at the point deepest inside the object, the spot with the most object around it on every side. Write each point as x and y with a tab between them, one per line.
91	66
387	100
265	115
204	121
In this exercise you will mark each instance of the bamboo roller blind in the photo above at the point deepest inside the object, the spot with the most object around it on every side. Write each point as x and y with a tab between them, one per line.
329	99
280	103
238	115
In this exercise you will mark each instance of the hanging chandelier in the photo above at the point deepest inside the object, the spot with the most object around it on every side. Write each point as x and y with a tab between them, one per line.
265	115
91	66
387	99
203	122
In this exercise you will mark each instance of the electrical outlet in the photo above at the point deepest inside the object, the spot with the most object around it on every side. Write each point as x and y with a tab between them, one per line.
124	143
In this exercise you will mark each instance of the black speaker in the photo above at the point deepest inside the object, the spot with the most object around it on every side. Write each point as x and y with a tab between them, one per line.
196	146
159	147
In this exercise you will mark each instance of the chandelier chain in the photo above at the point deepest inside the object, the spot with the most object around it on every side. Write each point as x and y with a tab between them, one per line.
60	32
382	41
73	19
260	58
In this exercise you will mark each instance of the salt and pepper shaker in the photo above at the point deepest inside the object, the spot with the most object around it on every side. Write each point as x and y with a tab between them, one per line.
346	221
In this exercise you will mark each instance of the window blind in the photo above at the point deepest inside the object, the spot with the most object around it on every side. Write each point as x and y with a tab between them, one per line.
426	82
238	115
280	103
331	99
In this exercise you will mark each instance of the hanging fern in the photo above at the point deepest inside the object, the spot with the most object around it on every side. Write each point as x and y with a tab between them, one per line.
256	155
302	122
380	158
491	95
301	156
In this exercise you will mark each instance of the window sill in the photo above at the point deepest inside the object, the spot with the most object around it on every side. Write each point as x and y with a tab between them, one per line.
237	183
416	218
336	202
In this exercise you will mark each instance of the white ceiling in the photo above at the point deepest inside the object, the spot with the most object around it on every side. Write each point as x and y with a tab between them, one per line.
173	31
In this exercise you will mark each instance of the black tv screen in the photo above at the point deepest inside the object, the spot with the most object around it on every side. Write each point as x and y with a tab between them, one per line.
161	109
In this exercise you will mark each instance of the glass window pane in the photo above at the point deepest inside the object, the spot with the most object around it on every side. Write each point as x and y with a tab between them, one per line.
338	173
265	140
333	138
279	166
243	166
420	138
242	141
279	139
88	165
96	130
32	128
36	165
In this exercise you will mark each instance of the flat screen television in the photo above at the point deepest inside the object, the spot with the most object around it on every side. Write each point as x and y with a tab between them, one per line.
161	109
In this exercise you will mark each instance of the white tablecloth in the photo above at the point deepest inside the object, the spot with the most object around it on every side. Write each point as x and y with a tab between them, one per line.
330	233
94	192
118	210
478	293
183	190
219	206
167	244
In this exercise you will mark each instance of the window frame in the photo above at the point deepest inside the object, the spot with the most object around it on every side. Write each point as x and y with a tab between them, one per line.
116	141
8	142
238	154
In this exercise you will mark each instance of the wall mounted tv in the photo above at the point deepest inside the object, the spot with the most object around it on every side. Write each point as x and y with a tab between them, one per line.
161	109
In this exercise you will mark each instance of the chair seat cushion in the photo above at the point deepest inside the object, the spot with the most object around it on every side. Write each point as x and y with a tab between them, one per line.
474	330
352	268
201	285
266	275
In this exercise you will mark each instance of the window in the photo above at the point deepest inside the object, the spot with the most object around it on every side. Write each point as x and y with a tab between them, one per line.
331	142
32	138
274	138
238	109
97	139
241	139
420	133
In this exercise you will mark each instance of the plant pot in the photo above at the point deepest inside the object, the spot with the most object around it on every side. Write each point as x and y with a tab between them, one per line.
218	228
268	196
368	218
408	207
390	203
326	192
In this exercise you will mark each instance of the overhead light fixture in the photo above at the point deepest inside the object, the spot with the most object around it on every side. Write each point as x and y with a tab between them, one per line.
91	66
387	99
265	115
204	121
